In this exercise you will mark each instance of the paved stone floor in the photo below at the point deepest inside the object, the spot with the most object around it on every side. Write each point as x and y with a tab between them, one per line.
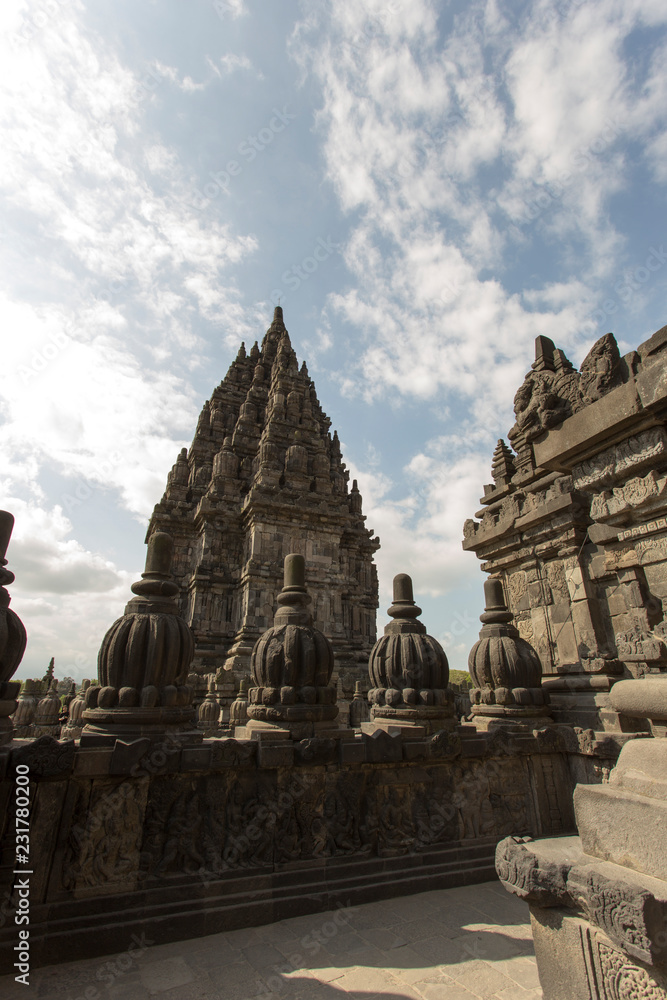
449	944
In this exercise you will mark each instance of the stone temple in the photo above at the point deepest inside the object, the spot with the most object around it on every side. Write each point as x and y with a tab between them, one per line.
147	815
264	477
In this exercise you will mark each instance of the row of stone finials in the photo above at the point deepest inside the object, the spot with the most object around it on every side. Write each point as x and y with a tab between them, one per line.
146	654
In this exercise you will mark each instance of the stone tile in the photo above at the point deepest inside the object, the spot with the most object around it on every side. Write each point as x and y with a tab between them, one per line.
383	938
445	951
369	981
240	976
411	907
203	990
491	945
444	991
263	956
127	991
417	930
213	955
483	979
243	937
168	973
521	970
407	966
344	944
517	993
326	974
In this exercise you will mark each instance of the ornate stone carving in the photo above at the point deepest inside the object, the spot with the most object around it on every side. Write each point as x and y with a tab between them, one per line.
615	462
143	660
292	662
46	757
623	980
600	371
408	668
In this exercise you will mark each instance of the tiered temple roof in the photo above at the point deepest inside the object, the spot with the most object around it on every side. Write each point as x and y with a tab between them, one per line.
264	477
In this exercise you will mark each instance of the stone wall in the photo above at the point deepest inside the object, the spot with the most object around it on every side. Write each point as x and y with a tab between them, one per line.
177	841
575	522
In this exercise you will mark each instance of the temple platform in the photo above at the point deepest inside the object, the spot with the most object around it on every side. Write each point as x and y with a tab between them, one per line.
464	943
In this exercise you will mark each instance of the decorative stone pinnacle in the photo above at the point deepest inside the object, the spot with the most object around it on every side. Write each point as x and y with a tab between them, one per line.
156	585
294	598
408	668
505	669
496	611
404	605
292	662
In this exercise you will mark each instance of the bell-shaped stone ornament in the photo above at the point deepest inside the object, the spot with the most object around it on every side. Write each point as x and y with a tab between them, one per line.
238	710
408	668
505	669
208	716
144	660
292	662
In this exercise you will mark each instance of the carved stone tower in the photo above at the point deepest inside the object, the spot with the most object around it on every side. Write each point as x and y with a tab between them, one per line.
263	478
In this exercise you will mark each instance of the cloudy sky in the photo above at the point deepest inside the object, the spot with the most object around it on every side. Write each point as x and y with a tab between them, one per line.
472	175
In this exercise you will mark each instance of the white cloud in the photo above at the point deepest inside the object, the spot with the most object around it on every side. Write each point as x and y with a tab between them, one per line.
66	595
408	124
122	276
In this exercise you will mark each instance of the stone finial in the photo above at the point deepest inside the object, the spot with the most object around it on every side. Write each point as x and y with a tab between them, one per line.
505	669
180	471
25	708
502	465
48	676
144	659
544	355
45	722
208	716
359	710
238	710
292	662
355	498
12	635
408	668
75	722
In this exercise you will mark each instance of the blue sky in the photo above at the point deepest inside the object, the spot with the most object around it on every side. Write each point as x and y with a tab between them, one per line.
426	186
